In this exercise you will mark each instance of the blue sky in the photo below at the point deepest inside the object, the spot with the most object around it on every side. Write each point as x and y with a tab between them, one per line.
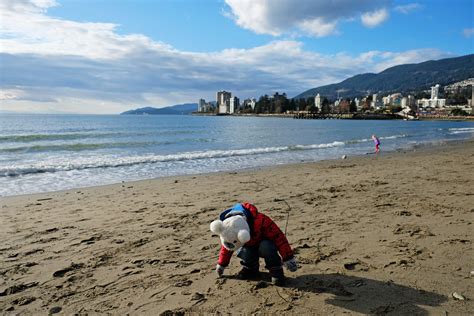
112	55
182	23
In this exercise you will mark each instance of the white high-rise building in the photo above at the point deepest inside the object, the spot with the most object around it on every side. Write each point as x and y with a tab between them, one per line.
357	103
434	101
434	92
411	102
374	103
223	101
202	105
234	104
317	102
404	102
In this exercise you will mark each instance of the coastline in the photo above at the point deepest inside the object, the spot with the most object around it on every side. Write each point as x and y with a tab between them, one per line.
429	146
346	116
394	231
171	146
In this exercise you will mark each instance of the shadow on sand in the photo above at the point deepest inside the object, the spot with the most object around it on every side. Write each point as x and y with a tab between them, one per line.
367	296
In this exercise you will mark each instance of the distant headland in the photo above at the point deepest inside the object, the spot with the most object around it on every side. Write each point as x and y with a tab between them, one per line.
178	109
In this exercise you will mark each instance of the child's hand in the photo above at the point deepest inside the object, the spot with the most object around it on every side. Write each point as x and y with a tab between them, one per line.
291	265
219	270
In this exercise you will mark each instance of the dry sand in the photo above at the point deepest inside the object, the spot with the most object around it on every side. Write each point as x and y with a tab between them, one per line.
391	234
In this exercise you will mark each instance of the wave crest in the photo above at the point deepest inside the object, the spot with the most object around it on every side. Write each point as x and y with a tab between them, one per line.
112	162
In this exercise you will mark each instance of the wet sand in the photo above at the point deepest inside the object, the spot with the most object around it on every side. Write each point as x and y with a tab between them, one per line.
387	234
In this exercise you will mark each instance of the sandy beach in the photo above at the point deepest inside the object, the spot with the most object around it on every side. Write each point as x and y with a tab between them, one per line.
388	234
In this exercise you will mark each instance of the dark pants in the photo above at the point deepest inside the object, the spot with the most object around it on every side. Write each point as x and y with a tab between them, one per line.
266	250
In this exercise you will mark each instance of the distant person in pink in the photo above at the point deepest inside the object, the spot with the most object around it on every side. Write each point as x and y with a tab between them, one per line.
377	143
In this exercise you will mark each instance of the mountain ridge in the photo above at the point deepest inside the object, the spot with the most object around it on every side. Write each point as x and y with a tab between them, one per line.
399	78
178	109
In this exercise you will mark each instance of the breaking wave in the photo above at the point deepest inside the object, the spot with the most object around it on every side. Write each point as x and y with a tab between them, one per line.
462	130
26	138
96	146
112	162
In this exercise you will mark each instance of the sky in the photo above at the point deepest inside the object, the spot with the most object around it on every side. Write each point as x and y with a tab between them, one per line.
108	56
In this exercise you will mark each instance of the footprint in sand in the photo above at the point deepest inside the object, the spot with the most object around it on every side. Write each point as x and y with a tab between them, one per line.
17	288
24	300
62	272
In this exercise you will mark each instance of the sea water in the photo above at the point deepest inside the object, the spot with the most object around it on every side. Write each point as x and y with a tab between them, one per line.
40	153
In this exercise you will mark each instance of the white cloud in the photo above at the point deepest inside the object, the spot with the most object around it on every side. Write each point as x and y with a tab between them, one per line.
407	8
253	15
31	6
390	59
308	17
26	29
468	32
374	18
318	28
49	64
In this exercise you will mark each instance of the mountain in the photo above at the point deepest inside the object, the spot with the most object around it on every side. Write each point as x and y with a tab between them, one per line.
401	78
179	109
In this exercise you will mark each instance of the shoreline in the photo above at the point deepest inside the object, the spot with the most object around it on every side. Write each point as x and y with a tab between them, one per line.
347	116
433	145
372	234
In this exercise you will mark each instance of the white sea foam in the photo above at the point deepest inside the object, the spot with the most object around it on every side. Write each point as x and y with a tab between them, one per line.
462	130
363	140
394	136
111	162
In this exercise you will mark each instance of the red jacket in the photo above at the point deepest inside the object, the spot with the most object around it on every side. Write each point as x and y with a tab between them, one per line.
261	227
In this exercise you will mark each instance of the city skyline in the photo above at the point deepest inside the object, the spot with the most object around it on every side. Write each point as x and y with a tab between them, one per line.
68	57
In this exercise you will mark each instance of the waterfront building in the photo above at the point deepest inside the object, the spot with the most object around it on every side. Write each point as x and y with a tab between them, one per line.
411	102
234	105
434	101
223	101
357	103
404	103
317	102
202	105
396	99
434	92
376	104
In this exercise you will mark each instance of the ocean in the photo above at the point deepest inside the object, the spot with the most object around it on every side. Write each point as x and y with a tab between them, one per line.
41	153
